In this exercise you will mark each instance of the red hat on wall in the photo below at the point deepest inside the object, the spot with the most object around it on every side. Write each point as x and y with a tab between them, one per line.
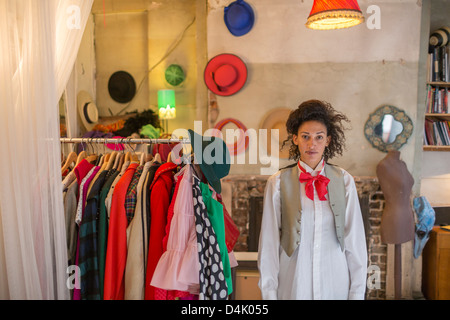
225	74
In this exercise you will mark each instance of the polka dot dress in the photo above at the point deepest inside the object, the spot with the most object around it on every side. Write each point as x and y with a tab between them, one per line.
212	280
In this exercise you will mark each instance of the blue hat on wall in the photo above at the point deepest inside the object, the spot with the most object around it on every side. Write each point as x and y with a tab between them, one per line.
239	17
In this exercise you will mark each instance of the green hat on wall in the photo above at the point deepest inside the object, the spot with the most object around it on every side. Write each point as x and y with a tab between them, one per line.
174	75
213	156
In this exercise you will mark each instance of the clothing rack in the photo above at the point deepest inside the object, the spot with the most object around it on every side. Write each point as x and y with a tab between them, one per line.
123	140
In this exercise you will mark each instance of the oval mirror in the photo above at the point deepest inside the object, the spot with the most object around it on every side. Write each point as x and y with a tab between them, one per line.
388	128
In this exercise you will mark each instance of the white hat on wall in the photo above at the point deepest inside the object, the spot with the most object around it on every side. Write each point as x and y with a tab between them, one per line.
87	109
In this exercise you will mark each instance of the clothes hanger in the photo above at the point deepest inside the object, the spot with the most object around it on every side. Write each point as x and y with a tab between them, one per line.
143	157
111	160
104	159
149	158
122	163
71	158
158	157
131	155
134	158
128	153
102	164
128	156
92	158
119	158
82	155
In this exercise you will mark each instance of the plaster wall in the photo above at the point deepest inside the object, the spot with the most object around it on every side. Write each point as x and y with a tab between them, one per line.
144	38
357	70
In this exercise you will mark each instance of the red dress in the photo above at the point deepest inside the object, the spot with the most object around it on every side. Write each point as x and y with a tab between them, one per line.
116	252
160	195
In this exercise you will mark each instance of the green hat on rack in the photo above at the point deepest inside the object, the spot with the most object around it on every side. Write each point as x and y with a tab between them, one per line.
213	156
174	75
150	131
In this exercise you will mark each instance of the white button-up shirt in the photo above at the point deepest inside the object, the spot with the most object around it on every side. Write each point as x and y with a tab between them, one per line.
318	268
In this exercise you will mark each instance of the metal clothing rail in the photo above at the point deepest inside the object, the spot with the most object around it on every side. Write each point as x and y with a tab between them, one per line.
123	140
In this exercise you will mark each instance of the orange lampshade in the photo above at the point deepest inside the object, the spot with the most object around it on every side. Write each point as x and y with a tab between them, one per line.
334	14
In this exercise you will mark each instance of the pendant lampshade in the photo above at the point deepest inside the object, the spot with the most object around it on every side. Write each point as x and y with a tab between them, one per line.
334	14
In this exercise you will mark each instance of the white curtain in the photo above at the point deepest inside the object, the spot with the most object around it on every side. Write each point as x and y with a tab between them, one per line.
39	42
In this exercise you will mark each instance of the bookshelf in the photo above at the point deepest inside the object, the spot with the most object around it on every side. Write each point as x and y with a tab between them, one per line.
436	148
439	84
437	116
440	116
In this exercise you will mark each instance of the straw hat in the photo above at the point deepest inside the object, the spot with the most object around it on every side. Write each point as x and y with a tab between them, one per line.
87	109
276	119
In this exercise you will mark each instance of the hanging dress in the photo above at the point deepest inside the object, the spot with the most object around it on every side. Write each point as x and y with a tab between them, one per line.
160	193
178	267
116	251
213	285
215	215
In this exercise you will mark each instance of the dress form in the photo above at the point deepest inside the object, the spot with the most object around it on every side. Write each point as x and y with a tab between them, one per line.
397	221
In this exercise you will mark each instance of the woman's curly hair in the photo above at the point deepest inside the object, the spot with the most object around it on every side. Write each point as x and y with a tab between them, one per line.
323	112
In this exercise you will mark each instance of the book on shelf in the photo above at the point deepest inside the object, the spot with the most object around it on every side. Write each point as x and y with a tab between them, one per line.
437	99
438	64
437	133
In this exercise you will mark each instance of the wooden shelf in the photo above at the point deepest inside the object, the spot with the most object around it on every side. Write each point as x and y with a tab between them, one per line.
445	116
436	148
439	84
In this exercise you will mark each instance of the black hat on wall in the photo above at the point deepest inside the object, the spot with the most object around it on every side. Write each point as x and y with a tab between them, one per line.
121	87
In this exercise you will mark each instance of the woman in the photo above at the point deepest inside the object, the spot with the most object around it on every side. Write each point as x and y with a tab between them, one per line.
312	243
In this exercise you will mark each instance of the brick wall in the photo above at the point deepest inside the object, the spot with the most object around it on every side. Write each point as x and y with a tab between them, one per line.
372	205
248	191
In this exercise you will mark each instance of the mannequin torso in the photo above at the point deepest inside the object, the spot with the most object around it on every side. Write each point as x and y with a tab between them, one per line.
397	222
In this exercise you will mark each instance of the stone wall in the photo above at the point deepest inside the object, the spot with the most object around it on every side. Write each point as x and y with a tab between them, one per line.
247	193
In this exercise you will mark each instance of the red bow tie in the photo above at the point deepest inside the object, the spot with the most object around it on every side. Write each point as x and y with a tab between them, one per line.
319	181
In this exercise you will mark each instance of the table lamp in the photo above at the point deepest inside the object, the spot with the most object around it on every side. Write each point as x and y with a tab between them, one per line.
166	106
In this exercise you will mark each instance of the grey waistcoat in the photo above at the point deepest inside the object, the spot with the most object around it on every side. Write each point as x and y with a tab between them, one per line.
291	205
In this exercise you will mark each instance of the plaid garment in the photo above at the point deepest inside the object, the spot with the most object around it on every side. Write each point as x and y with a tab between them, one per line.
130	199
89	273
102	234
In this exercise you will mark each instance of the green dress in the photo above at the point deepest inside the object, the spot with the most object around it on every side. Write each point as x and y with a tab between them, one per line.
215	214
103	229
